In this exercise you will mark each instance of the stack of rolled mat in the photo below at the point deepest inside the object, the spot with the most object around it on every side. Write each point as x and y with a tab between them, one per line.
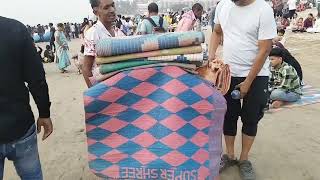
181	49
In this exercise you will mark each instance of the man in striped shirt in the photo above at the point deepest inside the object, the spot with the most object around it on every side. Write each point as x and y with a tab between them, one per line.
285	82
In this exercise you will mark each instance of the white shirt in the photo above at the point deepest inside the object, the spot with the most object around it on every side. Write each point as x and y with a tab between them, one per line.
242	28
91	37
95	34
292	4
73	28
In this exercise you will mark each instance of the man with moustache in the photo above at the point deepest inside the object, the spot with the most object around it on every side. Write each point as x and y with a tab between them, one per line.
247	28
104	28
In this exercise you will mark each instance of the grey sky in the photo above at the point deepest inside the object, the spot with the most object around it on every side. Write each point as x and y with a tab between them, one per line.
44	11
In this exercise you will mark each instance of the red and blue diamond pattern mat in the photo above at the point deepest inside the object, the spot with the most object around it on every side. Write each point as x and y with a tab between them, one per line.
155	123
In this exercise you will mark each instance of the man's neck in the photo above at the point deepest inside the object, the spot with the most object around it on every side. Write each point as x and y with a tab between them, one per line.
153	14
108	26
244	2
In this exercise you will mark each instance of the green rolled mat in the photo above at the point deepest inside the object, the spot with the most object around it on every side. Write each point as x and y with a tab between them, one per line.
107	68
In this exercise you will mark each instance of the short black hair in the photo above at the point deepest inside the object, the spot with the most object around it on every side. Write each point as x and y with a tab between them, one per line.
277	52
197	7
60	25
94	3
282	31
153	8
48	47
50	24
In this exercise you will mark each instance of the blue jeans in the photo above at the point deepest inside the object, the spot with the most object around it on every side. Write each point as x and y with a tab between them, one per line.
281	95
25	156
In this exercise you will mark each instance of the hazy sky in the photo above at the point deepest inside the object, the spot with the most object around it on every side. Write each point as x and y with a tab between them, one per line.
44	11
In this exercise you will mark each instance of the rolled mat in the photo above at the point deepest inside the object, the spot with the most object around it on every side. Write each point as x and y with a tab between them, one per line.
107	68
154	123
137	44
187	67
164	52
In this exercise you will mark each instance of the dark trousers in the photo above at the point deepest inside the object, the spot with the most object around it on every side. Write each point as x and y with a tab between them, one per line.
52	46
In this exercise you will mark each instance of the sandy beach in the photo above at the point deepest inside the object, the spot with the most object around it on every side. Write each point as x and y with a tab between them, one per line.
287	146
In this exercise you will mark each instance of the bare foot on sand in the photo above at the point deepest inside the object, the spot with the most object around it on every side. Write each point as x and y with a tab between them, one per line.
277	104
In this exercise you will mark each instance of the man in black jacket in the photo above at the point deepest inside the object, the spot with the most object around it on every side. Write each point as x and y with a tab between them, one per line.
19	64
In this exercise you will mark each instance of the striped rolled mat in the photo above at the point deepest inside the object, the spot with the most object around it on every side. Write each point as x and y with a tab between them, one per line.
154	123
187	67
107	68
138	44
157	53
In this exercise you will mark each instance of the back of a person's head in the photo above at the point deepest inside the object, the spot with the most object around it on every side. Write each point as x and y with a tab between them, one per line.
60	25
94	3
48	47
153	8
197	7
50	24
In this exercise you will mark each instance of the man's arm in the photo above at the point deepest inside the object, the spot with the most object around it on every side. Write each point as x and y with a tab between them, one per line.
215	41
265	47
34	76
143	29
87	69
267	31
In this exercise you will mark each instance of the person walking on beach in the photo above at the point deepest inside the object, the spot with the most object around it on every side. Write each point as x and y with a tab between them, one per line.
246	47
63	58
104	28
52	39
41	32
21	65
153	23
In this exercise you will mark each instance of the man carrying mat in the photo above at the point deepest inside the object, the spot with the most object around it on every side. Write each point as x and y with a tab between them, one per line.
104	28
246	47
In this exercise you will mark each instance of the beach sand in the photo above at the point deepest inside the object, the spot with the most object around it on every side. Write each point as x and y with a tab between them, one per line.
287	146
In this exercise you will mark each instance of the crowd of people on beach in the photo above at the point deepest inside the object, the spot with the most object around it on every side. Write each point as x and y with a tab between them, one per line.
286	13
247	56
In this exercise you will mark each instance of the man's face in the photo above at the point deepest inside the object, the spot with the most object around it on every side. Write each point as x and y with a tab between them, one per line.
275	61
198	13
106	11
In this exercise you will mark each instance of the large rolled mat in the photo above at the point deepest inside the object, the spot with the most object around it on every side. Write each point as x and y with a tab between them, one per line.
156	53
155	123
137	44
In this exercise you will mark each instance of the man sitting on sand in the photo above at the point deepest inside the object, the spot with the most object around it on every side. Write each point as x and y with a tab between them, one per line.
285	82
298	26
